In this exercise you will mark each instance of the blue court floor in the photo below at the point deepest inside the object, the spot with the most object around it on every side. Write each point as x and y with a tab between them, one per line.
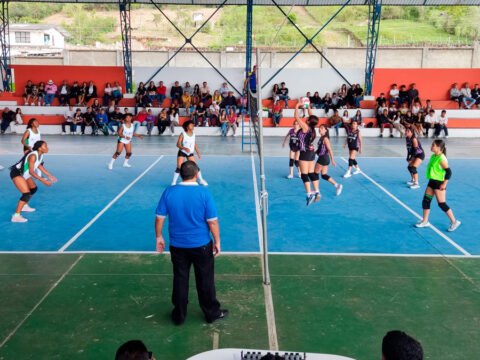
93	209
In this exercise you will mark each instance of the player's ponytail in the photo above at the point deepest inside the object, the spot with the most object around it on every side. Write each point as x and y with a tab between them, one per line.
312	124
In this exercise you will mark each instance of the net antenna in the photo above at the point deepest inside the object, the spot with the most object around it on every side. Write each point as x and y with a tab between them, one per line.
255	108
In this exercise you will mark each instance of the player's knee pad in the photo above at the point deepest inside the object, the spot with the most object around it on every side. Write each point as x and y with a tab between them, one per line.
305	178
291	162
325	177
355	163
313	176
427	199
26	197
412	170
117	153
444	206
350	162
297	163
177	170
128	155
33	191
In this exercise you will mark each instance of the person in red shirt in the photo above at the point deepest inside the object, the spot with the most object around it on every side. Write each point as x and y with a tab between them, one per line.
140	119
161	93
277	112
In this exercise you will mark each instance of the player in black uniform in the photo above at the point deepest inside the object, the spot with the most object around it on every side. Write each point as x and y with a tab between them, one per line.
294	149
415	156
325	154
306	137
354	142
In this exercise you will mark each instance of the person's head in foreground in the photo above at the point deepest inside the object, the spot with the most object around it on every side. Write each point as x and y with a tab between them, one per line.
189	171
397	345
133	350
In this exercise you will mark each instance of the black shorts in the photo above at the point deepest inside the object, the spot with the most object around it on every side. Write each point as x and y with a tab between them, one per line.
182	154
356	149
294	148
14	172
323	160
420	156
434	184
307	155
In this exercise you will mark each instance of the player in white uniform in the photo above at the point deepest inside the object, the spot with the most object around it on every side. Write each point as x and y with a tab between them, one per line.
31	135
125	134
187	147
22	175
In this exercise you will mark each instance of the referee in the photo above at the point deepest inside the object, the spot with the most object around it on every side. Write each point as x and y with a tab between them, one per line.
192	217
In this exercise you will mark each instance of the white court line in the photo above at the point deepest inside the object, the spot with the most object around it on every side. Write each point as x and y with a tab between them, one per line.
109	205
267	289
406	207
14	331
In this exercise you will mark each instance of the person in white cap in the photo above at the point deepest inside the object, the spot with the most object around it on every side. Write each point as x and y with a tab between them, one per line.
50	91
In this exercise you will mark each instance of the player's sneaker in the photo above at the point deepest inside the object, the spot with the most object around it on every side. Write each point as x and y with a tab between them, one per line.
318	197
415	186
299	174
410	183
454	226
127	165
422	224
357	171
290	176
27	208
203	182
17	218
347	174
310	198
110	166
339	189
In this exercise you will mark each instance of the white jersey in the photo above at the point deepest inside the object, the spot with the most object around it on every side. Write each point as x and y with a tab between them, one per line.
33	137
127	132
25	171
188	142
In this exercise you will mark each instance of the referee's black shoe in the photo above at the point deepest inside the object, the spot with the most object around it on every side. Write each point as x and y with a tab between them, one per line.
223	314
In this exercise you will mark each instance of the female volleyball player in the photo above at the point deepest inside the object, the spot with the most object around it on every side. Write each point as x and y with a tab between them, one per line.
293	143
325	154
438	175
22	175
354	142
31	135
125	134
187	147
306	137
415	156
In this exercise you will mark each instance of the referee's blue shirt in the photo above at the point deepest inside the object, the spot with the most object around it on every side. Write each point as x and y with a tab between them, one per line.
188	207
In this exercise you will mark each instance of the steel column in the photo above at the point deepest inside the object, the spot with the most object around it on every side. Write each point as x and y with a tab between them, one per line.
374	15
6	72
124	6
248	40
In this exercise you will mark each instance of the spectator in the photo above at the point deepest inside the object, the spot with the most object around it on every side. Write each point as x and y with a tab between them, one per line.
89	120
350	98
68	116
162	121
176	93
392	111
141	98
196	90
397	345
396	121
213	114
224	90
173	118
316	101
476	95
336	102
430	121
18	120
428	106
115	118
417	111
283	94
8	116
327	103
82	94
41	94
64	94
161	93
27	93
50	91
232	121
91	92
133	350
217	98
204	90
35	95
467	99
275	92
117	92
107	94
394	94
186	101
383	120
151	93
358	118
150	121
381	99
403	95
357	95
342	93
208	100
335	121
346	121
413	95
78	120
441	125
192	218
199	114
96	106
223	122
277	113
188	88
140	119
229	102
455	94
101	119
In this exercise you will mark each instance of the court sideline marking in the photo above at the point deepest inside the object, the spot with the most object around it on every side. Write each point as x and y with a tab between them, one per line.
267	289
55	284
109	205
406	207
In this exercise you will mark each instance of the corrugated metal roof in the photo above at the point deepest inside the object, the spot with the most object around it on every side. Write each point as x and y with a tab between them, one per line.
269	2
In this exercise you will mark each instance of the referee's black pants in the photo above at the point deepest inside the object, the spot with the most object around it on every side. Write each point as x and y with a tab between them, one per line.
203	264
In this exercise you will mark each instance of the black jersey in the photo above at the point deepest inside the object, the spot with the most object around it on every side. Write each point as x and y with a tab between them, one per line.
306	140
294	140
322	148
413	152
352	139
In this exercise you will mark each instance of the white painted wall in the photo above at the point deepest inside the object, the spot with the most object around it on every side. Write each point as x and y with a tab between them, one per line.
37	39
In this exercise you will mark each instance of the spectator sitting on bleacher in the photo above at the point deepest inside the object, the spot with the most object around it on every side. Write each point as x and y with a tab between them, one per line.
173	118
204	90
150	122
336	102
476	95
74	92
82	94
176	93
117	92
35	95
102	121
381	99
277	113
223	122
346	121
207	100
27	93
188	88
283	94
151	93
64	93
408	122
96	106
358	118
430	121
78	120
394	94
397	345
224	90
342	93
428	106
441	124
403	95
196	90
89	120
275	92
396	122
316	101
417	111
217	97
195	102
91	91
213	113
336	121
392	110
467	99
229	102
8	116
115	118
107	94
41	94
141	95
455	94
161	93
357	95
232	121
50	91
384	120
162	121
413	94
68	116
327	103
198	115
140	119
186	101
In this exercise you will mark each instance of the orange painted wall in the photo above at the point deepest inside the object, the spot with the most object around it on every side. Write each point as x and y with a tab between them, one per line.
38	73
432	84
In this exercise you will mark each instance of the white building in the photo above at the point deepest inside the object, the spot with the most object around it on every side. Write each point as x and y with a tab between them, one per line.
36	39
